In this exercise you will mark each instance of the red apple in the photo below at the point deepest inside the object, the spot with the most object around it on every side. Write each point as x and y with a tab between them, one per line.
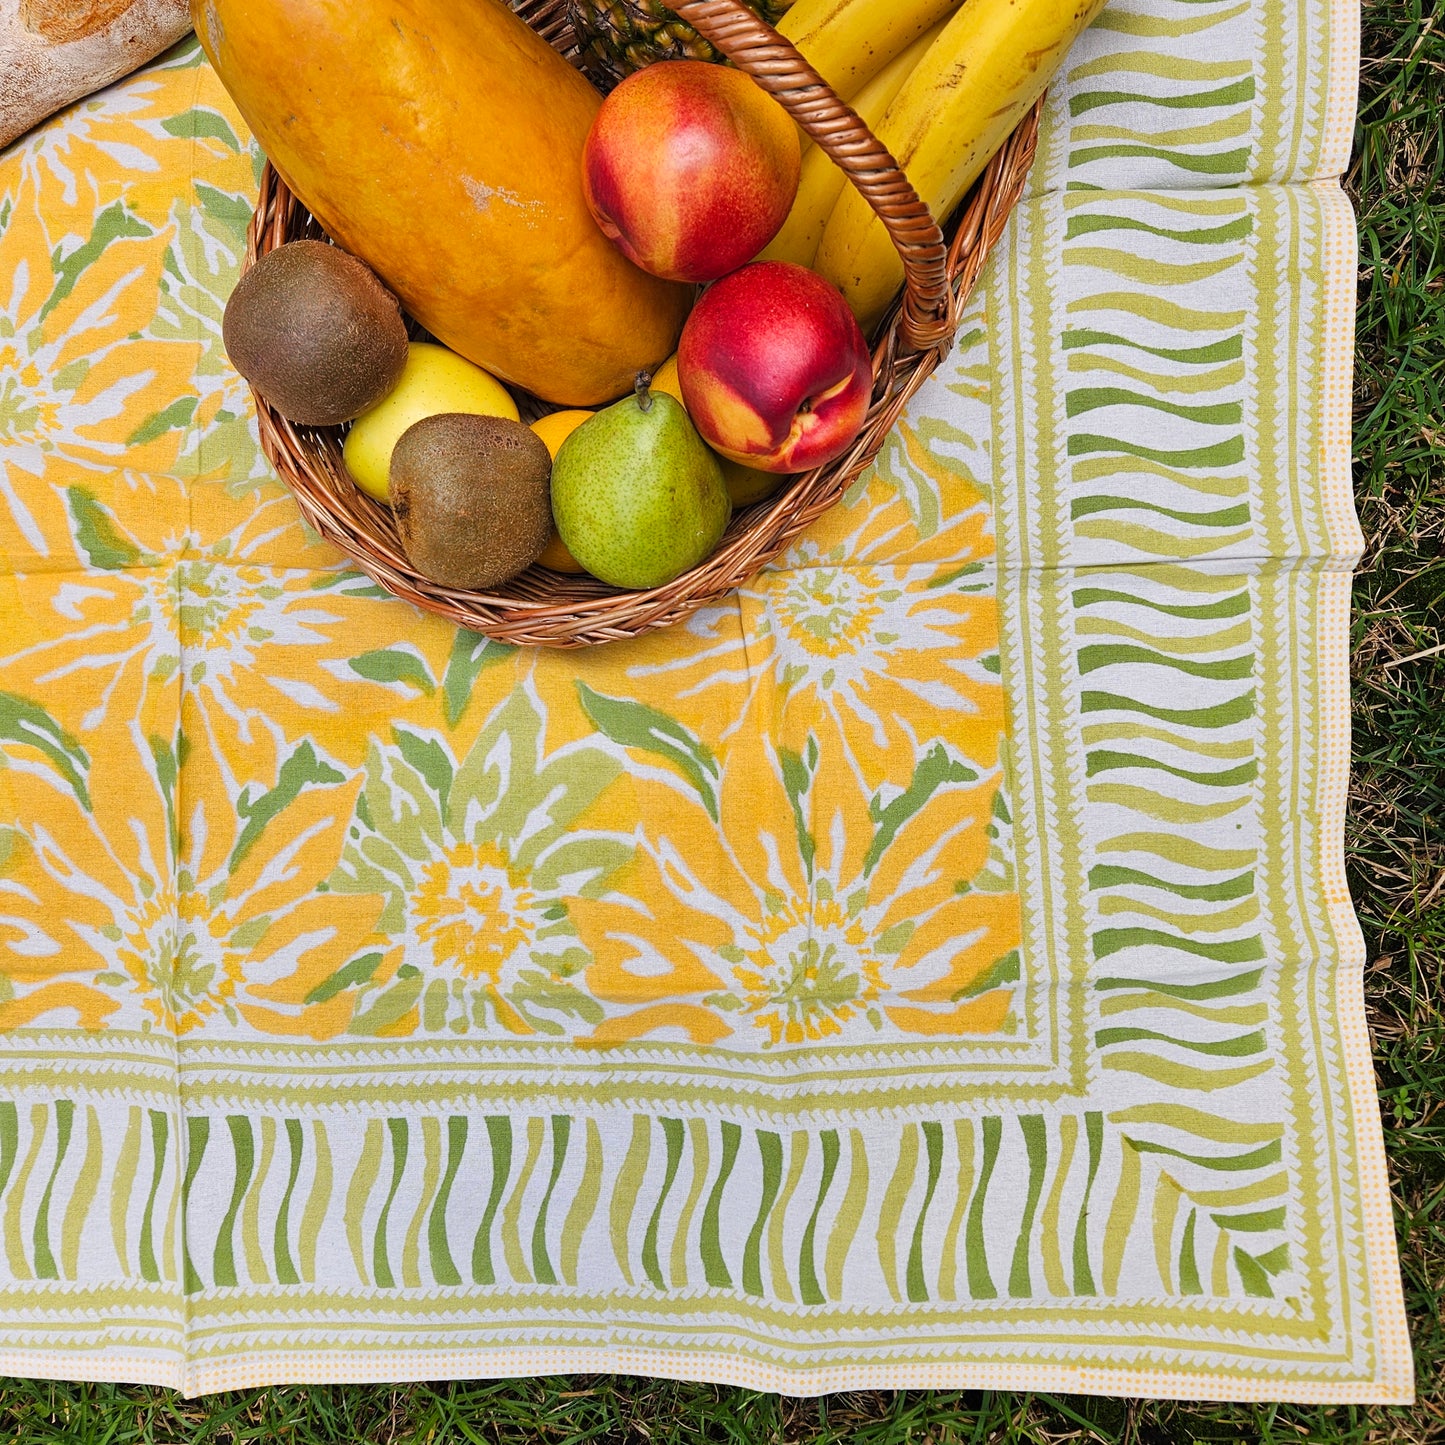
690	169
775	372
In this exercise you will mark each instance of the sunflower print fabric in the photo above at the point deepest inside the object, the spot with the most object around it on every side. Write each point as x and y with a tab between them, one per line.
931	966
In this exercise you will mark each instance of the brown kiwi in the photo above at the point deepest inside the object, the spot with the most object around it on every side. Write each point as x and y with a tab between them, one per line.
472	498
315	332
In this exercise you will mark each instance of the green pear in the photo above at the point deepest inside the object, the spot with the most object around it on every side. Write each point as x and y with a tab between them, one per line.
637	494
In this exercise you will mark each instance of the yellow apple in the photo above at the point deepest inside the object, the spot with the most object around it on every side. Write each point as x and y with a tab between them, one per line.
434	380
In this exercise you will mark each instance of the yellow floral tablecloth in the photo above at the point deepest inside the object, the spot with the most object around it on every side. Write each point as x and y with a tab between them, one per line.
931	967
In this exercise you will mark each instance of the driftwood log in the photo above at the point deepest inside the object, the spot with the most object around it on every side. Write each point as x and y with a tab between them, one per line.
55	51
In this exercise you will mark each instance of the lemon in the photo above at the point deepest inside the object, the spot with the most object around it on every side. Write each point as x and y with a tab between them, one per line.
433	381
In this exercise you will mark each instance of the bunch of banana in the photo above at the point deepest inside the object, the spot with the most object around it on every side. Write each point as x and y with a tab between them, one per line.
989	64
849	41
821	181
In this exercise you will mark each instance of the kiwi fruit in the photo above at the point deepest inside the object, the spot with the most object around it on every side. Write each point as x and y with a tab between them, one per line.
472	498
315	332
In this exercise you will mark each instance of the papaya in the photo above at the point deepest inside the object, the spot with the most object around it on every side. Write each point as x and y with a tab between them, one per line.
441	142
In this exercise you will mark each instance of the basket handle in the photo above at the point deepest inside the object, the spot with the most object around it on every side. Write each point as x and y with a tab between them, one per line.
754	47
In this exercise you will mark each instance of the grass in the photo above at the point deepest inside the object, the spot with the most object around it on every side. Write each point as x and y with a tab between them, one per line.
1397	865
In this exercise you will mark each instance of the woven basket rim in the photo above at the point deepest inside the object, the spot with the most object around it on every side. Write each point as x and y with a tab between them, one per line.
540	607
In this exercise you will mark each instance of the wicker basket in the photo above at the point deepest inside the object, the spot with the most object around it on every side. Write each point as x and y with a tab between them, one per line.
545	608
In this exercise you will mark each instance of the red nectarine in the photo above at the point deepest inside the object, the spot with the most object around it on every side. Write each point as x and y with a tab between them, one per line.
775	372
690	169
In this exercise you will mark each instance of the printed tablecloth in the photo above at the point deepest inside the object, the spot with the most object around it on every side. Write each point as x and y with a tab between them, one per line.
933	967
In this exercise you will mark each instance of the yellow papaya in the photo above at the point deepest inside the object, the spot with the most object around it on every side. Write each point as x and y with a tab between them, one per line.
441	142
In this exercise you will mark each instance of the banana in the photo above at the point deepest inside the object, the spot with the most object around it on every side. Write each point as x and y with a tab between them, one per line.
820	180
990	64
849	41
